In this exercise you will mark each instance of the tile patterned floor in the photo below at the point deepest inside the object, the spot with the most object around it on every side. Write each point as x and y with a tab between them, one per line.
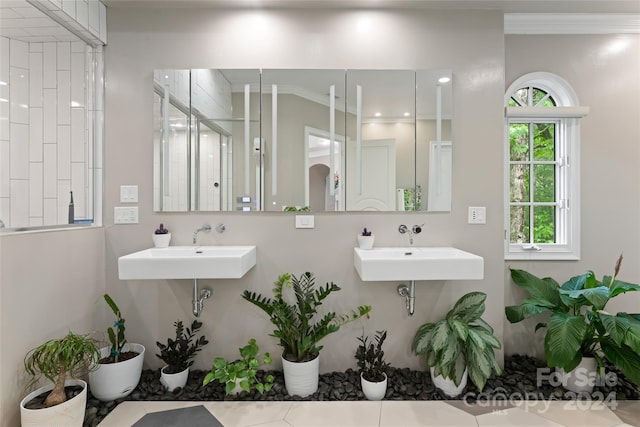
397	413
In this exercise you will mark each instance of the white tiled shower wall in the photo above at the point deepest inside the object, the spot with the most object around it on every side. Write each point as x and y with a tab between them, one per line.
46	122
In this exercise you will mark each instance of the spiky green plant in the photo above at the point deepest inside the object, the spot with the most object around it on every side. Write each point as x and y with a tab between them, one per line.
578	325
74	355
296	329
241	372
116	336
462	340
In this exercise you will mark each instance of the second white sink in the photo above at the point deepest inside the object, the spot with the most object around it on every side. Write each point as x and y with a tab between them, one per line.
417	263
188	262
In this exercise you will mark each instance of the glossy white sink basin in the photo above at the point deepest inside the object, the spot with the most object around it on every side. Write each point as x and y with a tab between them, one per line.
417	263
188	262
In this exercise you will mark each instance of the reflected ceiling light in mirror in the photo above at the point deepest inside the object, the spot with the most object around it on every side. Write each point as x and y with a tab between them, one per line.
444	79
274	140
407	114
378	114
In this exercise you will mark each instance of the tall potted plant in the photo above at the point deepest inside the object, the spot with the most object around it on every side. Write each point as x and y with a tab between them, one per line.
73	355
120	365
580	333
459	346
178	354
296	329
373	368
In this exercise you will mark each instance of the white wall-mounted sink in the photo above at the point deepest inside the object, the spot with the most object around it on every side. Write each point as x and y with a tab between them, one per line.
417	263
188	262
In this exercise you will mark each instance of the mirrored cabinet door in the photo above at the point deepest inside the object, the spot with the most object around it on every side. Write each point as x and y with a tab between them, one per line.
303	134
381	140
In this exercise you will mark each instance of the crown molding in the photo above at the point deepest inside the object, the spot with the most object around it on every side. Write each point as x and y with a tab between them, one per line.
571	23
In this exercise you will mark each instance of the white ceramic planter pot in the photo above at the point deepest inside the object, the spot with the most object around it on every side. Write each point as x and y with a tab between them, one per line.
447	386
582	378
115	380
374	391
69	413
174	381
161	240
365	242
301	378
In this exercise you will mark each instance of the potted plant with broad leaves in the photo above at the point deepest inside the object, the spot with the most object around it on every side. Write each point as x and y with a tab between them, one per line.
373	368
580	334
120	365
296	329
178	354
242	374
459	346
66	399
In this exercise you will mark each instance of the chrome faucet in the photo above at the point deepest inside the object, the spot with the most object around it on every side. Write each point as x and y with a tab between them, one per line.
416	229
205	228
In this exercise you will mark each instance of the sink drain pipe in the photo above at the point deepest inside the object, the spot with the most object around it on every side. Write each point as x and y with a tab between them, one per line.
198	298
409	294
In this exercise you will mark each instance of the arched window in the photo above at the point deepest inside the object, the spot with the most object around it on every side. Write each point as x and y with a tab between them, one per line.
542	168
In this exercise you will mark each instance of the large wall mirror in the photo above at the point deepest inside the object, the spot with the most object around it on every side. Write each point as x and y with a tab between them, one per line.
302	139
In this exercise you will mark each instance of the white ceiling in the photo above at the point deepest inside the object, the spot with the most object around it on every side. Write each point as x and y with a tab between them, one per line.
507	6
20	20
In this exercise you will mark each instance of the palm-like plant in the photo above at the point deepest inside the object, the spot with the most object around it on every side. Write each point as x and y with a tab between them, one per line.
578	325
74	355
462	340
295	327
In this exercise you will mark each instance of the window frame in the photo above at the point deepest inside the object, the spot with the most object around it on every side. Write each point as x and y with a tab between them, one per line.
566	115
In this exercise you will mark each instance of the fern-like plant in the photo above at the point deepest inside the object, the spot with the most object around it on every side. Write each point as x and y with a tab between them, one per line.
178	353
462	340
296	328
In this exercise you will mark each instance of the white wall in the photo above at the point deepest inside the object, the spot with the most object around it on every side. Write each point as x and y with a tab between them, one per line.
52	283
604	71
470	43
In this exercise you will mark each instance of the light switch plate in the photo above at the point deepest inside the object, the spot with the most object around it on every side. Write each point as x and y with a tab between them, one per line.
125	215
477	215
128	194
305	221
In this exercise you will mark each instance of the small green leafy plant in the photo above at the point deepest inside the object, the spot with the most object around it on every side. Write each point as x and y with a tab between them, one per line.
578	325
462	340
370	357
178	353
74	355
241	372
298	333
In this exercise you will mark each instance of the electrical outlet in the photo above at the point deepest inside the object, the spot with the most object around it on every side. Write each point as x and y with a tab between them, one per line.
305	221
477	215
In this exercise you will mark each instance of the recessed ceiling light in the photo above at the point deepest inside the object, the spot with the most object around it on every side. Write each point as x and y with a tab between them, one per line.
444	79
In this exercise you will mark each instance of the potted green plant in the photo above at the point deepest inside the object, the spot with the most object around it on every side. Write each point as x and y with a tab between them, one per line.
241	374
161	237
120	365
579	331
178	354
459	346
297	331
373	368
366	239
73	355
